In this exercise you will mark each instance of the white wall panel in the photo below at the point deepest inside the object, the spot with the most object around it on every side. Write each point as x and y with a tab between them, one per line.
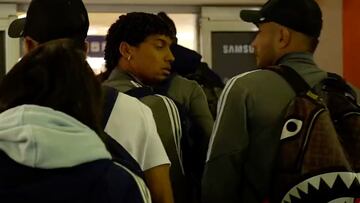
12	47
329	54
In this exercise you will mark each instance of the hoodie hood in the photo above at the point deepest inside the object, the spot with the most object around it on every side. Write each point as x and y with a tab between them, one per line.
42	137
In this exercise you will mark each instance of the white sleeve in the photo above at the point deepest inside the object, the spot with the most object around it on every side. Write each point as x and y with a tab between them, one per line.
132	124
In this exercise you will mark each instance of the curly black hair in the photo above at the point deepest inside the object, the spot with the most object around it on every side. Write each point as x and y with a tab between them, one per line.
132	28
168	21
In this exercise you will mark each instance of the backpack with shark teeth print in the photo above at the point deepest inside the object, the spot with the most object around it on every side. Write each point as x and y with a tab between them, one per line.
319	153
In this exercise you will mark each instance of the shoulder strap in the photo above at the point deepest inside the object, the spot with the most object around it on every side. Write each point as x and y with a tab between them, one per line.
140	92
117	151
162	89
298	84
121	155
110	96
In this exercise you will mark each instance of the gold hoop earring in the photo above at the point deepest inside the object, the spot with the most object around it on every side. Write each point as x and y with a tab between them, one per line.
129	57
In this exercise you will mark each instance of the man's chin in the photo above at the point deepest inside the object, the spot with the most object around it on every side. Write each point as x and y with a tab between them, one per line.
159	79
164	76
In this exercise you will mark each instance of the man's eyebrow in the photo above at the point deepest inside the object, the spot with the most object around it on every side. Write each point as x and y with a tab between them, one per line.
163	41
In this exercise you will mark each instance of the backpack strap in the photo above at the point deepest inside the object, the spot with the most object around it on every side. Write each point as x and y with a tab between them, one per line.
118	152
121	155
298	84
143	91
140	92
110	96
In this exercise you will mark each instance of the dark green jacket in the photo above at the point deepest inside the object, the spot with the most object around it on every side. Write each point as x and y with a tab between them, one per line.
190	95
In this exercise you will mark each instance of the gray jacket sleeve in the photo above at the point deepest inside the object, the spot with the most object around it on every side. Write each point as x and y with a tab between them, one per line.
190	94
200	111
228	145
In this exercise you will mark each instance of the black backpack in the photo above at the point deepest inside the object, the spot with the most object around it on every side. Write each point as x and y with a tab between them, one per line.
118	152
319	154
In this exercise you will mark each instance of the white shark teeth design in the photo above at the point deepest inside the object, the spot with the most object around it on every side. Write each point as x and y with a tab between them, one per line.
329	178
304	188
349	178
343	200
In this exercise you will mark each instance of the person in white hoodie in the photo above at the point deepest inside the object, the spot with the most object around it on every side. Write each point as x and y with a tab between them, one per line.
130	122
51	148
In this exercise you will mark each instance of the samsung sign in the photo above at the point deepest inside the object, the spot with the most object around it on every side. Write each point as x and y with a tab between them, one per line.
237	49
232	53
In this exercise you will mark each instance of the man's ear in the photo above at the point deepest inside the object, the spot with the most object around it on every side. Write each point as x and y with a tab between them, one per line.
285	37
29	44
125	50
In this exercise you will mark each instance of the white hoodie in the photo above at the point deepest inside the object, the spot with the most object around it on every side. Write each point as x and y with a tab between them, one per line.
42	137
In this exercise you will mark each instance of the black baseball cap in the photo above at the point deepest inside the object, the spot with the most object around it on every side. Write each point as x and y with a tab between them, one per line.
300	15
52	19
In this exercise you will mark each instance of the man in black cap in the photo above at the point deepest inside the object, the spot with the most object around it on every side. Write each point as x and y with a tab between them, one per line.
48	20
245	137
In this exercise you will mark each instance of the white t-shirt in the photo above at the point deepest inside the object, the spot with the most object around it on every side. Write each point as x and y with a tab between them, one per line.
131	123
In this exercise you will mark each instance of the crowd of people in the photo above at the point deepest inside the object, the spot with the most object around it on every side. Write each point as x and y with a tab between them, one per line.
190	144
